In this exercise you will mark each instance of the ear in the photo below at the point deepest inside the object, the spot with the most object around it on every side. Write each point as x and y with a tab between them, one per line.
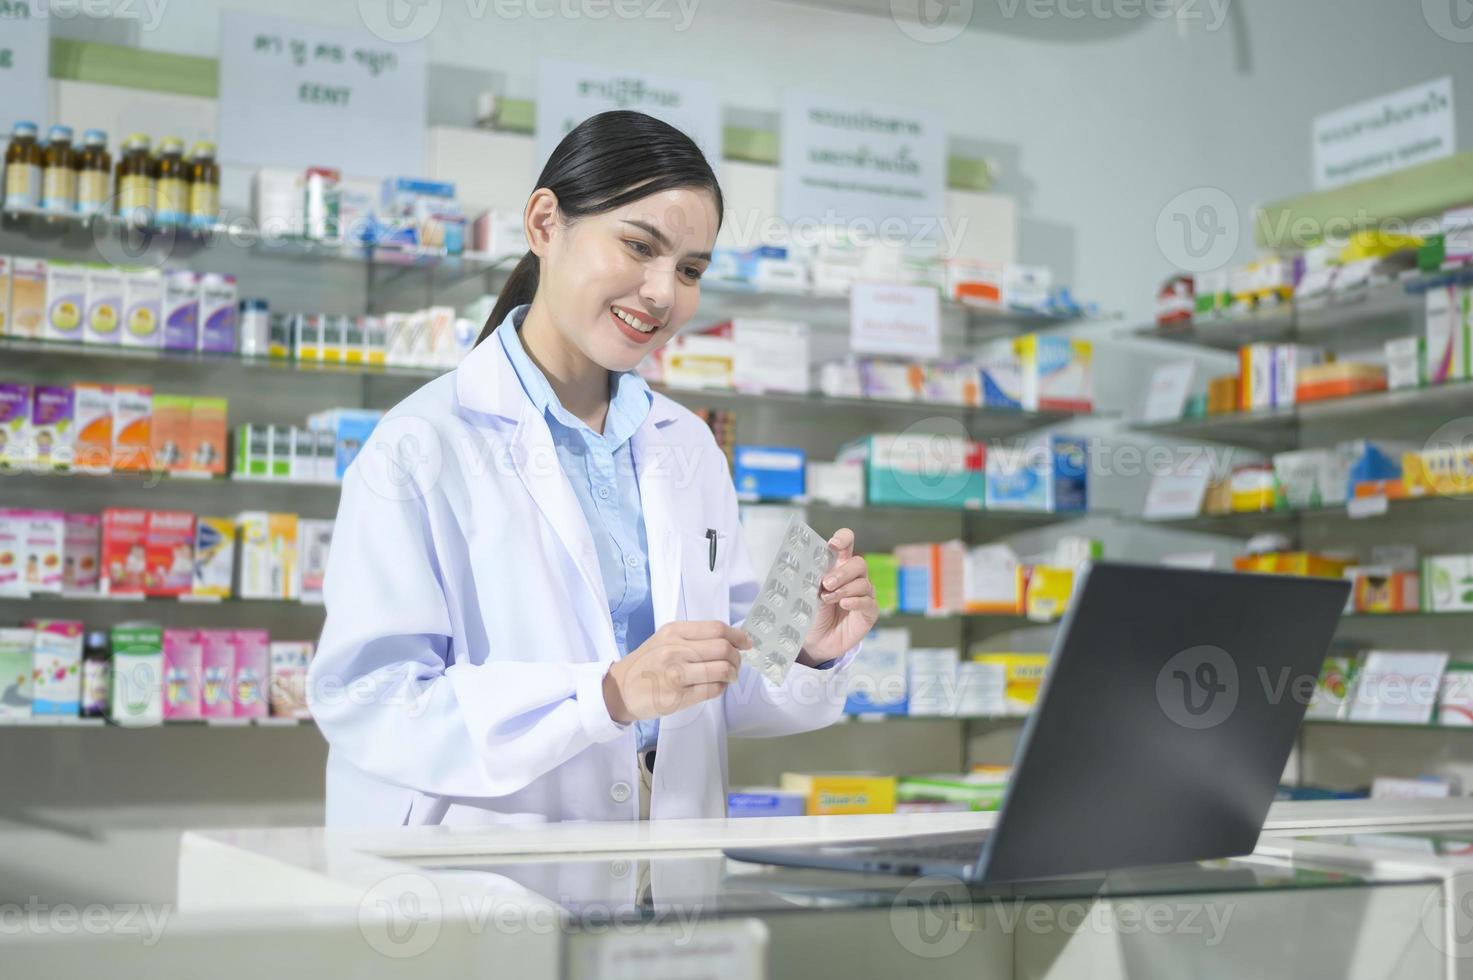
540	221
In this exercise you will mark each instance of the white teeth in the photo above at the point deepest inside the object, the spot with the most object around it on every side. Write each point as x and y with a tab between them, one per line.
639	325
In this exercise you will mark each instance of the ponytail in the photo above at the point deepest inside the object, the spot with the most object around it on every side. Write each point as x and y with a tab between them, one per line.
605	162
520	287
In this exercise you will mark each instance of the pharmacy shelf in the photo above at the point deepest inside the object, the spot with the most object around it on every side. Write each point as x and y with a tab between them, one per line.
122	241
93	598
1280	426
1432	507
1360	316
66	721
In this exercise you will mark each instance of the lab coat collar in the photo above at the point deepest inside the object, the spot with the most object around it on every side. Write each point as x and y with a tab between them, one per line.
486	383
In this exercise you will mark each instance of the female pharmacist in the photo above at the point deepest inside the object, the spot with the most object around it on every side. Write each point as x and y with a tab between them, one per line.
537	569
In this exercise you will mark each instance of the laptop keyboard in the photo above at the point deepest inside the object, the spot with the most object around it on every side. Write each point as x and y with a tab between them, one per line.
955	853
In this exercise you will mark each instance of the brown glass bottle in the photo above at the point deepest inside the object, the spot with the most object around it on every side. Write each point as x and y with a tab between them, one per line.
135	179
59	172
171	186
23	162
94	173
204	186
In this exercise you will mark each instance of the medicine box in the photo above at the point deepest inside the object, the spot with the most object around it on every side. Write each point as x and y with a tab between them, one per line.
1447	583
93	406
81	553
169	552
1446	336
877	678
769	472
170	433
104	285
57	668
66	297
1406	362
137	675
28	297
314	542
214	557
250	685
916	469
124	551
217	313
1057	373
53	427
132	426
833	793
217	673
17	654
5	274
44	545
143	305
1046	473
765	802
180	310
836	484
289	663
205	448
16	447
771	355
183	674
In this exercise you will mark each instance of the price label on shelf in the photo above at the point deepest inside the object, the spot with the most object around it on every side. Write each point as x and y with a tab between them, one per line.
1363	507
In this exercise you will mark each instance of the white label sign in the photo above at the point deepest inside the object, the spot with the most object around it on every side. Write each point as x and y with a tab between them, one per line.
1178	493
1166	399
298	94
568	92
1385	134
845	161
25	68
885	318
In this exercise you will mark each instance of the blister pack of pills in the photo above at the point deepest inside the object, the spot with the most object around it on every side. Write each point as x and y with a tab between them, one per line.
788	602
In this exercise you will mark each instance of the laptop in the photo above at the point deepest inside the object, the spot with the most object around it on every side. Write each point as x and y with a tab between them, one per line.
1160	734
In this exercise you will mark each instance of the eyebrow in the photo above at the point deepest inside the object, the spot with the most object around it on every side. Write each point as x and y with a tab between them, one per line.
660	239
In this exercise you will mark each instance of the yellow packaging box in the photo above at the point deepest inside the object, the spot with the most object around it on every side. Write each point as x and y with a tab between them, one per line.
1311	564
1047	595
1022	673
1446	471
842	792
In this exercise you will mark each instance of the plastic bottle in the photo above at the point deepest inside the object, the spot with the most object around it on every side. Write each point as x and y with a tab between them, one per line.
135	185
172	188
204	186
59	176
94	172
96	674
23	161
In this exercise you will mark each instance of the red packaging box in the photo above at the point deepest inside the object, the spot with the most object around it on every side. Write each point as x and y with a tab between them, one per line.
169	552
124	558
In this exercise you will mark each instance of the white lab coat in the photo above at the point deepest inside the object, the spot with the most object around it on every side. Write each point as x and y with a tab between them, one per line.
459	675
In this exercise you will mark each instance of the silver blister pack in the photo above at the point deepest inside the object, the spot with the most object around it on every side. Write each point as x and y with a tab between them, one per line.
788	602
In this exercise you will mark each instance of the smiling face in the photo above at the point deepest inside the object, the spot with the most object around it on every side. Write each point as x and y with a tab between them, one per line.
617	285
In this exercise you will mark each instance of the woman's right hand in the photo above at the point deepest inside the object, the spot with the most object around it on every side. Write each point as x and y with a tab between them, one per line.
682	664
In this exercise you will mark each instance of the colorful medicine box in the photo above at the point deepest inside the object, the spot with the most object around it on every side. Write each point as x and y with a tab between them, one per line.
769	472
842	792
1057	373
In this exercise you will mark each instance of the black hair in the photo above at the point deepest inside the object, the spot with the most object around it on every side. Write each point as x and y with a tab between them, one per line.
605	162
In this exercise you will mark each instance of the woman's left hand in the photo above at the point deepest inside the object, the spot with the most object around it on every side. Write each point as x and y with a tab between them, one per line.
847	609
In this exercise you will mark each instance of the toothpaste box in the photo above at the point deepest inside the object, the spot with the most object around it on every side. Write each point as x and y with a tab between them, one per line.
81	553
104	286
132	427
1446	337
217	313
93	409
124	551
206	448
169	552
17	653
1057	373
143	307
169	433
16	448
180	310
289	662
183	674
53	427
138	675
28	297
66	301
56	668
12	553
217	673
214	557
250	687
44	543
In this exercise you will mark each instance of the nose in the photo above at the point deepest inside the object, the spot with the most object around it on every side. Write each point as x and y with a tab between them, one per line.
658	291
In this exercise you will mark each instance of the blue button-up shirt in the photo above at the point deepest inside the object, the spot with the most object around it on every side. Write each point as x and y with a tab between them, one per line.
601	470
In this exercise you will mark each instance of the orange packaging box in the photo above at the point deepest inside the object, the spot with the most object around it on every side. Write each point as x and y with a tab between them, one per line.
132	427
1381	590
170	433
1311	564
94	426
205	447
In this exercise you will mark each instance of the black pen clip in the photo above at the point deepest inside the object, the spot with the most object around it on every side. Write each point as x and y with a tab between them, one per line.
711	536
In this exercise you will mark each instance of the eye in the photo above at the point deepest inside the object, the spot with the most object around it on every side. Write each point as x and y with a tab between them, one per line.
639	247
692	272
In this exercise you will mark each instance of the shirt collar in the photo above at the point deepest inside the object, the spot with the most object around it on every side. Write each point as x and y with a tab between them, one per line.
629	401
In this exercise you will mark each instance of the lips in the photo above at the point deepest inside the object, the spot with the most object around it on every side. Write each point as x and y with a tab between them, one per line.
637	336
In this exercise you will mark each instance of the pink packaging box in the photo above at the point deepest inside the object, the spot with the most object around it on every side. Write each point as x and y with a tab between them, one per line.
217	673
183	669
252	673
81	556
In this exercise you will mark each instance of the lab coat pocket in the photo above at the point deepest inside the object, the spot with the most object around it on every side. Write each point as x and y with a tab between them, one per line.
704	583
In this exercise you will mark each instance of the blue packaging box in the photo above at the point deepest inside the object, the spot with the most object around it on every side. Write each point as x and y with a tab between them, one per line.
350	428
915	589
772	803
916	469
769	472
1049	473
